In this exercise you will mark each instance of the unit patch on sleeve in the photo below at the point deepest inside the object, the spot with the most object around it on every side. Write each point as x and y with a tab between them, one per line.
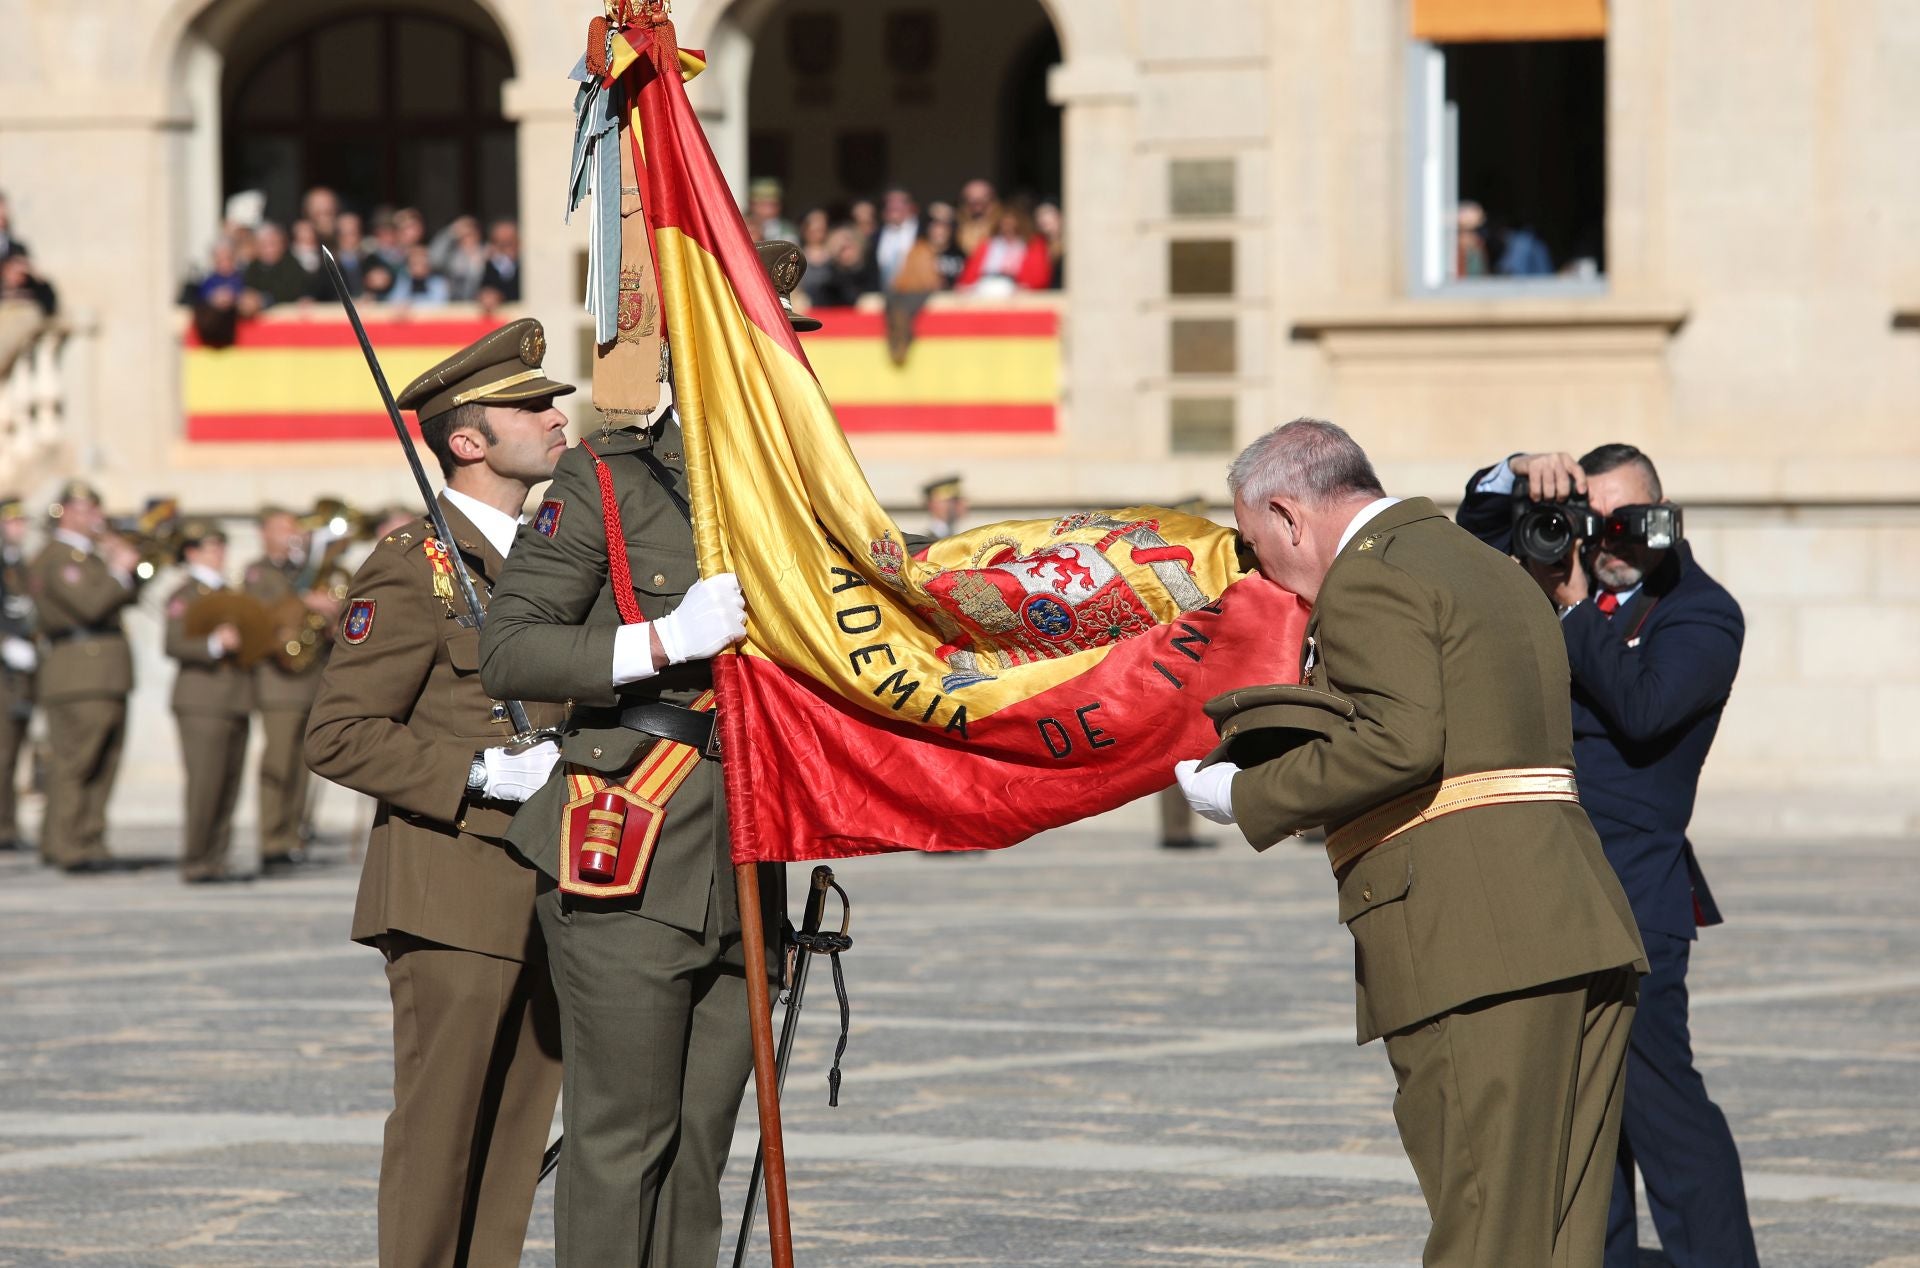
546	520
358	621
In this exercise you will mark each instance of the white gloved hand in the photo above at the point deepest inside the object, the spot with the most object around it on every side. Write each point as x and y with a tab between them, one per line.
712	617
18	654
517	776
1209	791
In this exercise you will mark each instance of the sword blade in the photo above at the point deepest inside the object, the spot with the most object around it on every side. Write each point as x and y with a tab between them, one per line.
516	712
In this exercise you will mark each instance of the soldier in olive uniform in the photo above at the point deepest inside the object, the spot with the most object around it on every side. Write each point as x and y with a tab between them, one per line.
18	659
402	717
284	697
1493	947
212	705
81	581
653	993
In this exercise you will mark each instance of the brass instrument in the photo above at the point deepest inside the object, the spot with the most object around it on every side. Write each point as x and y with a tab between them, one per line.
301	633
153	535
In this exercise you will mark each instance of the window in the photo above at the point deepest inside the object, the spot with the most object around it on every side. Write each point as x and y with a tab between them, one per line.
1202	424
1200	267
394	108
1509	151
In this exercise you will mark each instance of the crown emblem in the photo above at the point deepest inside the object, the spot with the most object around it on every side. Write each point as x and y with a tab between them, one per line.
533	347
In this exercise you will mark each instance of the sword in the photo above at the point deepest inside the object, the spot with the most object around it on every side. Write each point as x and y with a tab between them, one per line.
804	949
524	736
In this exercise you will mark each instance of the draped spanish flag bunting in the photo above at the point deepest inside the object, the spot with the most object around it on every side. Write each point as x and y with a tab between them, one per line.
1014	678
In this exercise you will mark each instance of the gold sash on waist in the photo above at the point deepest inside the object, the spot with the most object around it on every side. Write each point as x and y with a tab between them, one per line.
1383	823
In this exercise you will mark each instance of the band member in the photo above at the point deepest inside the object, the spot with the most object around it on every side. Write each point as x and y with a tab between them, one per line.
81	581
402	717
284	696
652	985
946	503
212	705
18	659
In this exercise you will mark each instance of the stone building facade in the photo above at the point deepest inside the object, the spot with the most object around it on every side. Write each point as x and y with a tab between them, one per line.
1260	200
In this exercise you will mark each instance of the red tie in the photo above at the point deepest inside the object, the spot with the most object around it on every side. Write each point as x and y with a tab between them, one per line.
1608	602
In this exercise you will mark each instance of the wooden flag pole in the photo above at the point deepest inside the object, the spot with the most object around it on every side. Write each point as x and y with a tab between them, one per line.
766	1079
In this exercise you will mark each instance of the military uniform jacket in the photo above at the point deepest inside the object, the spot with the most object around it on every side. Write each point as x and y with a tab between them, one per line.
399	716
77	602
1454	663
206	683
16	621
273	584
550	637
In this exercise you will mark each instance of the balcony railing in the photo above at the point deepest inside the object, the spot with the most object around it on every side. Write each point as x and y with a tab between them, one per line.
37	389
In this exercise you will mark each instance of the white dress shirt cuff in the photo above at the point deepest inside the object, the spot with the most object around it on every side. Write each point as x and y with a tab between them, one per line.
632	654
1499	480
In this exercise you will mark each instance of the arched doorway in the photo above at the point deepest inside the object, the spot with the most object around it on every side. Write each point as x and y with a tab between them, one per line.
397	104
843	98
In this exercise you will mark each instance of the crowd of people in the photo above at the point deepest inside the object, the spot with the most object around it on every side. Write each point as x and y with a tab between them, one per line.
387	256
979	244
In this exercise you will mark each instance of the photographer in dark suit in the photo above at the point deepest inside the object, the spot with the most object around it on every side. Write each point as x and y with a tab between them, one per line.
1653	643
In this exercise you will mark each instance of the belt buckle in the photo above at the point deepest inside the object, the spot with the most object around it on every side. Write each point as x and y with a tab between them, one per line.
712	749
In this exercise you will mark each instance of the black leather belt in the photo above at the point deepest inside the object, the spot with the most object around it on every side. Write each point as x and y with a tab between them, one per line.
694	727
75	636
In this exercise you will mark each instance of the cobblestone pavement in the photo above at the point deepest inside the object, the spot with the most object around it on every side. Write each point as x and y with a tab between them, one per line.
1083	1051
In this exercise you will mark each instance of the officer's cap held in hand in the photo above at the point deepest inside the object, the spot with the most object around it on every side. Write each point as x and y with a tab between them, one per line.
1258	724
499	368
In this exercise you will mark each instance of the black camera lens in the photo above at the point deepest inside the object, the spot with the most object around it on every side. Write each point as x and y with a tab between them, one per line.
1543	534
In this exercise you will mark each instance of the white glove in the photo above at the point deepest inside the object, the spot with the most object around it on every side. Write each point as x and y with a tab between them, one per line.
1209	791
18	654
517	776
713	616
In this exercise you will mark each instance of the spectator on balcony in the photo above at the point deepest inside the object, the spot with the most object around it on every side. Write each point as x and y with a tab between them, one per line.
321	209
947	255
863	218
350	253
460	255
846	278
899	231
766	218
304	246
814	227
417	284
275	276
404	230
1470	241
219	297
500	280
1051	225
8	243
979	214
1013	259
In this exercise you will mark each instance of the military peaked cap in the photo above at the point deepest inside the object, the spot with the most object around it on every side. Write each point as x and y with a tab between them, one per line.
786	264
499	367
1258	724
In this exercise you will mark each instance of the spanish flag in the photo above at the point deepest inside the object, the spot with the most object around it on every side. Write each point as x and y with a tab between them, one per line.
964	696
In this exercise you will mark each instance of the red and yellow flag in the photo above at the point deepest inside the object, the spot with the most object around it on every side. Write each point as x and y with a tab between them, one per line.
1014	678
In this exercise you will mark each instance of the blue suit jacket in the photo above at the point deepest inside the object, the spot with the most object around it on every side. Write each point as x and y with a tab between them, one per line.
1649	685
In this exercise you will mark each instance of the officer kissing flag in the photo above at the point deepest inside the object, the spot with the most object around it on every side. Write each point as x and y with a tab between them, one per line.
1008	680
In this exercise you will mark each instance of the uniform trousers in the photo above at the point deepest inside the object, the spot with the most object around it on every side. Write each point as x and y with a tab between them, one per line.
1509	1109
214	749
283	781
16	709
85	737
654	1023
1675	1134
476	1070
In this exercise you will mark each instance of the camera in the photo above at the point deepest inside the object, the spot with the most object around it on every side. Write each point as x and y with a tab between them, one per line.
1545	531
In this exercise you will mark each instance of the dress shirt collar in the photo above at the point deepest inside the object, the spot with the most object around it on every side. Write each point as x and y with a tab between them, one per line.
495	525
1360	519
74	540
206	576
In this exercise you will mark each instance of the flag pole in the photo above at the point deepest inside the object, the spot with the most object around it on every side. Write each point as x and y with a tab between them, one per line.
766	1081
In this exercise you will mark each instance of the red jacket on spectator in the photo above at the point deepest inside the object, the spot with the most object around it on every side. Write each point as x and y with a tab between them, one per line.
1035	272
